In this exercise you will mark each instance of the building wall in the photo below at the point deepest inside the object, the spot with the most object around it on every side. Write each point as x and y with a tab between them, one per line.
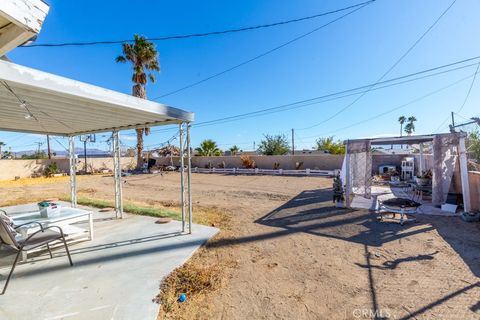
9	169
474	179
319	162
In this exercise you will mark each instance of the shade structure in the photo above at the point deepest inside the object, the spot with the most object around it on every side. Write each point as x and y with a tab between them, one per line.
34	101
39	102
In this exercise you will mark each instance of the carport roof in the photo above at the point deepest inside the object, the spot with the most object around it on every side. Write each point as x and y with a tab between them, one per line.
34	101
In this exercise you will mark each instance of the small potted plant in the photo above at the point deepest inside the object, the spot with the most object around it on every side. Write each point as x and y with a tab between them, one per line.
425	179
338	192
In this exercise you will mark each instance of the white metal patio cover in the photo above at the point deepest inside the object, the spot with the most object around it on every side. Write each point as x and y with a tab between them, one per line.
33	101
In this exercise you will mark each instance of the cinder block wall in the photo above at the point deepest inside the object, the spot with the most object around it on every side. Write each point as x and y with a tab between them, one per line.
9	169
320	162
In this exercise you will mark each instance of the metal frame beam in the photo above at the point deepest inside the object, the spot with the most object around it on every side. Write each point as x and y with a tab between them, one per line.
185	177
117	174
73	171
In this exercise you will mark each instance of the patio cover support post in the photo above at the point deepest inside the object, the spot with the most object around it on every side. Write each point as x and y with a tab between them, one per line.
117	174
464	174
347	177
73	171
189	179
182	174
421	164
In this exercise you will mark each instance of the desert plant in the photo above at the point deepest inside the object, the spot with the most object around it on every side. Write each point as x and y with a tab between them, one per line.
208	148
330	146
274	145
51	169
298	165
234	150
473	145
247	162
276	165
143	56
222	165
410	126
2	144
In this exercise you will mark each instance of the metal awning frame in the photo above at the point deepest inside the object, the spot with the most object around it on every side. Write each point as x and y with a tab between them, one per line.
185	174
420	139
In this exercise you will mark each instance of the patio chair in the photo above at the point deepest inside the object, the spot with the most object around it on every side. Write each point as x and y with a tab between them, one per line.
42	237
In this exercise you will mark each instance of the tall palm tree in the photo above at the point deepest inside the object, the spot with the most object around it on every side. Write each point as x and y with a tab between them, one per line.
234	150
2	144
208	148
402	120
410	126
143	56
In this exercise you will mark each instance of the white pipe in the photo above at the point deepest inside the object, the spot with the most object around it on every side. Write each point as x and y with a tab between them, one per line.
464	174
189	179
182	181
73	171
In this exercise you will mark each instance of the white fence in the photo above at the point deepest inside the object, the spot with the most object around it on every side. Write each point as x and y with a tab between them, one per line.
306	172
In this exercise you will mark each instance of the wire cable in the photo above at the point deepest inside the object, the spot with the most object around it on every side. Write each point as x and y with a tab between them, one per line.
197	35
386	73
263	54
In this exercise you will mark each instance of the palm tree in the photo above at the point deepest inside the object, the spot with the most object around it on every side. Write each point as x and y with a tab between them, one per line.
410	126
402	120
143	56
2	144
208	148
234	149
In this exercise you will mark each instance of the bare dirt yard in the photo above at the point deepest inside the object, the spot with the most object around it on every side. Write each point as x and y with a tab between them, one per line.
285	252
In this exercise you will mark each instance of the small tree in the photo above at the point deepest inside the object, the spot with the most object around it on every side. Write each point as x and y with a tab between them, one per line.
401	120
410	126
330	146
274	145
2	144
208	148
234	149
473	145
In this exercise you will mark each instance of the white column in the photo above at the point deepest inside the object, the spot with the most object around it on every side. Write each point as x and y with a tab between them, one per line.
421	162
182	179
73	171
347	177
189	179
117	174
464	174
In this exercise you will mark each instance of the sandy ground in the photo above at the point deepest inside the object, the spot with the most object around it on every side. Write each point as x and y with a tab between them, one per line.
298	257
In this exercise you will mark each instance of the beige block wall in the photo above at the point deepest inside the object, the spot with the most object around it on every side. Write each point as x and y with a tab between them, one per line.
9	169
320	162
474	179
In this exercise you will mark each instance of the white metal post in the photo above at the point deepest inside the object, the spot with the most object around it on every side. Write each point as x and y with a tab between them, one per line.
182	169
189	179
421	164
347	177
73	171
464	174
117	174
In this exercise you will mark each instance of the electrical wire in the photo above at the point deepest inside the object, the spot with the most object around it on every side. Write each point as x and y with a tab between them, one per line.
385	73
396	108
337	95
264	53
197	35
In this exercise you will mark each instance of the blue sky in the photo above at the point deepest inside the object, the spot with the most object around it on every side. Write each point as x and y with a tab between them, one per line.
352	52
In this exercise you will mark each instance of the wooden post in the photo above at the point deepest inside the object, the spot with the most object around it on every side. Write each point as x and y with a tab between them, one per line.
464	174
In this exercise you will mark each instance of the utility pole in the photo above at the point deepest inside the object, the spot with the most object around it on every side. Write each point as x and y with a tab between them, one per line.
48	147
293	141
453	119
38	150
253	145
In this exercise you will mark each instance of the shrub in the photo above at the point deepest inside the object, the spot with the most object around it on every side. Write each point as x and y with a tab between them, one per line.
51	169
247	162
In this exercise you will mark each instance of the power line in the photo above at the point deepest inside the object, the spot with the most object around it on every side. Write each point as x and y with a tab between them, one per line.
387	72
341	94
358	7
197	35
396	108
337	95
464	100
312	101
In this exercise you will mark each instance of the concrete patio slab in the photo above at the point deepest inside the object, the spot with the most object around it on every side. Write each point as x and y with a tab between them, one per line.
115	276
